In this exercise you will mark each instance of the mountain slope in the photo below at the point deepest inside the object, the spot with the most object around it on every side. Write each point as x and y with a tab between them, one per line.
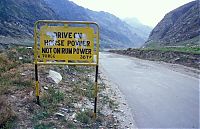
142	30
68	10
114	27
177	26
17	17
114	32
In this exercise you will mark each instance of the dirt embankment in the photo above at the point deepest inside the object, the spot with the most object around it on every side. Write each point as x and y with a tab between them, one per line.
175	57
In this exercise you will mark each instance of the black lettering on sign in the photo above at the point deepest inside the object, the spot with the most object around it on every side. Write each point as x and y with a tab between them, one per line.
56	50
82	51
69	51
85	57
66	50
57	42
74	51
46	50
63	34
78	35
46	42
88	51
78	43
70	43
48	55
88	43
81	43
70	35
85	51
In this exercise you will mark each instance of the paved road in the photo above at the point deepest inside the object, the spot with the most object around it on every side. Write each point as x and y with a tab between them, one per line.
158	96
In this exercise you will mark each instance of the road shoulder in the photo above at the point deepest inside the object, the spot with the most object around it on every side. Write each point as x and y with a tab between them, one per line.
123	113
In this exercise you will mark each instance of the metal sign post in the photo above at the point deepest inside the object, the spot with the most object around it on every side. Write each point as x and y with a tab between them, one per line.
66	43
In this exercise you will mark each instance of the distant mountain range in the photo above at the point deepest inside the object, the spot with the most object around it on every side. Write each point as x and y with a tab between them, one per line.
114	32
140	29
17	18
179	27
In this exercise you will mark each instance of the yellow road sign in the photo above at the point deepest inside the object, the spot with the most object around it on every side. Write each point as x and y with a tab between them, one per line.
66	43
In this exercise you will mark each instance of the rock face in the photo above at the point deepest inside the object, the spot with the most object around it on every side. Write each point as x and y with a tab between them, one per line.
17	17
178	25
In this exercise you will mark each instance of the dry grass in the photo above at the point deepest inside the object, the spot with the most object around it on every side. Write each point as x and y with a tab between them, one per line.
17	84
6	112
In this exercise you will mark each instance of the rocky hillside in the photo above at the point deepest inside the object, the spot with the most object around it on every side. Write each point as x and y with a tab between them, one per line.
179	25
17	19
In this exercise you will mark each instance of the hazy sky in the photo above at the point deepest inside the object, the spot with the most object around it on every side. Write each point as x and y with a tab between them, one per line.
149	12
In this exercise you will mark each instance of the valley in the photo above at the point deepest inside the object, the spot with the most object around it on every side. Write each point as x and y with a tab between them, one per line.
148	76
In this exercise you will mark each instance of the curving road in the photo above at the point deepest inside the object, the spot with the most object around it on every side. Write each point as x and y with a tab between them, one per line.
158	96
